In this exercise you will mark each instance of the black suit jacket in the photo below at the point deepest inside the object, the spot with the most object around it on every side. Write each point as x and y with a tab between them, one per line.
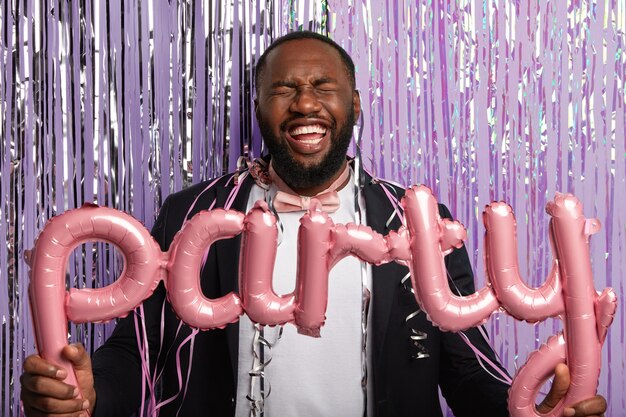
403	385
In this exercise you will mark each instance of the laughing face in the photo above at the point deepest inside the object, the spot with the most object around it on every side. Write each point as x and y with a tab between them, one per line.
306	107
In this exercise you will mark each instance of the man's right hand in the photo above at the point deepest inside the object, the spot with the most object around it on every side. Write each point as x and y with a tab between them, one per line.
45	394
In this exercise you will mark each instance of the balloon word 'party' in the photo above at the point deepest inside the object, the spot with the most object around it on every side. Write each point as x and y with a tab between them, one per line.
421	244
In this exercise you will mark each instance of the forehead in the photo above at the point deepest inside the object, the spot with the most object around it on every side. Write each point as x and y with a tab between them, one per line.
304	57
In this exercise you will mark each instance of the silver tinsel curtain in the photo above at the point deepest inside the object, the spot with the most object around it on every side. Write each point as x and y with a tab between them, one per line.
123	102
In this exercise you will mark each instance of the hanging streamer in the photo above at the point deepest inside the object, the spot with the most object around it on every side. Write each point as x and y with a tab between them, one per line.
123	103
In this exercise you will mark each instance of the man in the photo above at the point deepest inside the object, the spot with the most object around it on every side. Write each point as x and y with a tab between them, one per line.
306	106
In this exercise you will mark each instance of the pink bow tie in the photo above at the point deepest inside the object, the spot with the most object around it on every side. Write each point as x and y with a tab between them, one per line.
286	200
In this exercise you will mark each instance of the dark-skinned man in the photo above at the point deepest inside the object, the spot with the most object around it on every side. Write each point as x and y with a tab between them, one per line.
306	106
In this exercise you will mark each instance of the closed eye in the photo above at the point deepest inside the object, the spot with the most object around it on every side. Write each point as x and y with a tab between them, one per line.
327	88
325	84
282	90
282	87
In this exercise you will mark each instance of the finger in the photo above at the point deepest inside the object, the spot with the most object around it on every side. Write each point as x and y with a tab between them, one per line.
49	405
594	406
31	412
49	387
559	388
36	365
81	363
77	354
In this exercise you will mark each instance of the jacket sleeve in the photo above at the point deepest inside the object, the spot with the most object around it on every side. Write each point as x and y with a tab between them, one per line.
117	365
465	383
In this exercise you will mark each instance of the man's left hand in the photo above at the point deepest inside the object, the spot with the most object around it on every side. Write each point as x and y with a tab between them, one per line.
591	407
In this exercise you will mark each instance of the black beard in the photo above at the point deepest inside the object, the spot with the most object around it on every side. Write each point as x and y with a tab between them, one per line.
299	176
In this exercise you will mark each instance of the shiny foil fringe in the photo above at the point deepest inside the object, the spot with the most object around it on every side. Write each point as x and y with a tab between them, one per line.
122	103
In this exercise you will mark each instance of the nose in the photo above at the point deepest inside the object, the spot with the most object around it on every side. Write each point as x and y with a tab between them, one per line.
305	101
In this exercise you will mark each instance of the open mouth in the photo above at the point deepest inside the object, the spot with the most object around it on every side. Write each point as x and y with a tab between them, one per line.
309	134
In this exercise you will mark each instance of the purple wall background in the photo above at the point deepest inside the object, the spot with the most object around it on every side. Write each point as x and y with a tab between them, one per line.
123	103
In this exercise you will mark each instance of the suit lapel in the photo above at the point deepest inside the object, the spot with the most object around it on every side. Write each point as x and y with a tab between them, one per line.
385	278
227	255
228	249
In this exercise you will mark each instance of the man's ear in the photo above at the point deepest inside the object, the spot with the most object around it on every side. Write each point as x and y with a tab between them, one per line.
356	104
256	107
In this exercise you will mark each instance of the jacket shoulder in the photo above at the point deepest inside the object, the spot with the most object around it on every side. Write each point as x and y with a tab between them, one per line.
205	188
184	204
395	191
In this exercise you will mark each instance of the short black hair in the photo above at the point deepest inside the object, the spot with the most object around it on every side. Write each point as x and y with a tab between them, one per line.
304	34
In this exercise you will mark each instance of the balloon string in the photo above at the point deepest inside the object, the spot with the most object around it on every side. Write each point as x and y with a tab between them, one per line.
188	339
261	358
365	292
279	223
408	287
364	319
482	331
144	354
155	377
397	209
167	355
195	201
153	407
480	356
160	373
191	337
143	368
229	200
417	335
477	352
235	191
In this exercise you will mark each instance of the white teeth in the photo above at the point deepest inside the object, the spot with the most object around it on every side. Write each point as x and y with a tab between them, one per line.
311	142
303	130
